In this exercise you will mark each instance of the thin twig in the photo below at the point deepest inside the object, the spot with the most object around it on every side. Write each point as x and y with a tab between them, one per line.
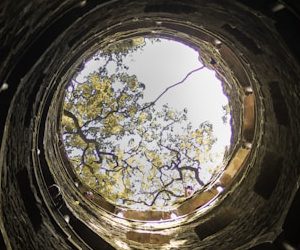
172	86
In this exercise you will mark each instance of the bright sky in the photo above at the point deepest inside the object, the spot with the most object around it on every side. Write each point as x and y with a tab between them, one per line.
161	64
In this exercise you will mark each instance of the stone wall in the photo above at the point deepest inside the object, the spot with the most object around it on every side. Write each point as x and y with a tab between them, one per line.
40	41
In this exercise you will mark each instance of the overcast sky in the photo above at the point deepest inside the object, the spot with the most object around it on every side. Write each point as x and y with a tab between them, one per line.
161	64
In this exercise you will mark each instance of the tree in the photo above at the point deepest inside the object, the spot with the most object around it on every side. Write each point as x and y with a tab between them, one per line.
134	154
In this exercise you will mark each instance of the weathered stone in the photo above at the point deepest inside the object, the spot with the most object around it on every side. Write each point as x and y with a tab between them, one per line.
42	42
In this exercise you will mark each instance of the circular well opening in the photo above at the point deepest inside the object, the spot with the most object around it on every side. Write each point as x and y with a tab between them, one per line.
145	124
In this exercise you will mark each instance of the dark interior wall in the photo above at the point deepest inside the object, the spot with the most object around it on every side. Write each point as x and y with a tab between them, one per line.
287	22
29	28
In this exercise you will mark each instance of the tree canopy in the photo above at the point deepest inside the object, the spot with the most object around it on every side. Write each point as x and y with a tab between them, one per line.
134	154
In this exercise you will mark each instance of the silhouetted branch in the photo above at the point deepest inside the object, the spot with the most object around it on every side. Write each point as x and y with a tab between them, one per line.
172	86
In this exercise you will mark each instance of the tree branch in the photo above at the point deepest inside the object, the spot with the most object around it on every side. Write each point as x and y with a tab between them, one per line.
172	86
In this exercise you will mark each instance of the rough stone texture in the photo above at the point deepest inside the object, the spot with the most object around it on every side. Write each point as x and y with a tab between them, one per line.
39	42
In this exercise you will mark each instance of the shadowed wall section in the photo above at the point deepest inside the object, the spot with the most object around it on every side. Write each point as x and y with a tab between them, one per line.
41	45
